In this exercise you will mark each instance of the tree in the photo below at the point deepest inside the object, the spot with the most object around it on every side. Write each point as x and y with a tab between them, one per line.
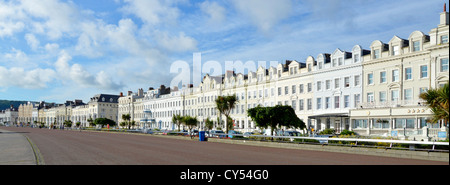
437	101
176	118
126	118
275	117
225	104
209	124
189	121
90	121
68	123
104	121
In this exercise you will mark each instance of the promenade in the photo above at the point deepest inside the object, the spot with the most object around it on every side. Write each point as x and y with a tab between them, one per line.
70	147
15	149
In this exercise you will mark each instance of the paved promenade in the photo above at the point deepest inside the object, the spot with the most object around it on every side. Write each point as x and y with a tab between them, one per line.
74	147
15	149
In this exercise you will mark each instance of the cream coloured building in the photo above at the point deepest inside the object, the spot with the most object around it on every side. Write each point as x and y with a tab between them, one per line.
394	75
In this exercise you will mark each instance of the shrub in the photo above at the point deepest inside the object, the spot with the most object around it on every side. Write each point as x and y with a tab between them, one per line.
347	132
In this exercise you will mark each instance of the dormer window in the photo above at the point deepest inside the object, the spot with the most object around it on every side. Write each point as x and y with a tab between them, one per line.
356	58
376	54
320	65
444	39
395	50
416	46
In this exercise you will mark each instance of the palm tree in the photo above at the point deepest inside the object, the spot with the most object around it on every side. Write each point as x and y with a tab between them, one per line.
224	105
176	118
437	101
126	118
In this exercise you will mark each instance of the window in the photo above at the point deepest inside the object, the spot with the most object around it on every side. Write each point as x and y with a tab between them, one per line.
309	67
444	39
293	89
327	103
279	91
319	103
394	95
294	104
347	81
301	104
340	61
309	101
360	123
423	89
395	75
356	58
376	54
328	84
357	80
395	50
383	77
444	65
423	71
336	102
408	94
334	62
319	85
320	65
416	46
336	83
309	87
408	74
346	101
370	97
382	96
357	99
286	90
370	79
301	88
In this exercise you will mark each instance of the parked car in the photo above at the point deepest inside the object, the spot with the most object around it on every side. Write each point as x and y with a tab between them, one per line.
291	133
166	132
215	133
247	134
233	132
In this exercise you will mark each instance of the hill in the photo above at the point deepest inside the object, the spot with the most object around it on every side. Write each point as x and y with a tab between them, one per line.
4	104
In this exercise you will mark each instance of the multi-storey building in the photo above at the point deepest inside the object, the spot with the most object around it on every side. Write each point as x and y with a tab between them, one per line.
9	116
103	106
394	75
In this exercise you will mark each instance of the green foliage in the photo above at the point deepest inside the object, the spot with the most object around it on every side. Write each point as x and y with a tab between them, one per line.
104	121
275	117
209	124
225	104
327	131
176	118
347	132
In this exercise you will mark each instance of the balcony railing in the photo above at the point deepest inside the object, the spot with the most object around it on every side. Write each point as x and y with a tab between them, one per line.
388	104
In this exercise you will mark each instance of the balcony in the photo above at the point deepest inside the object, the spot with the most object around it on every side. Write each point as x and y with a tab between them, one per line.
390	104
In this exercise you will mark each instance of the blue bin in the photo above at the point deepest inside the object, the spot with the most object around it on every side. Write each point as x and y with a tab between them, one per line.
201	135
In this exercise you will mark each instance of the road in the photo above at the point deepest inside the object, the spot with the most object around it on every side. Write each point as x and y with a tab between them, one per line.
62	147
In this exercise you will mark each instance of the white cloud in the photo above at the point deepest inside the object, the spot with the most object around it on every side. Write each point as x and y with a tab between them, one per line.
178	43
76	73
152	11
32	41
264	13
214	11
19	77
58	17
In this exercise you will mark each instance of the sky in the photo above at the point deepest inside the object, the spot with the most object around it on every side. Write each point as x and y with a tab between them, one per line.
57	50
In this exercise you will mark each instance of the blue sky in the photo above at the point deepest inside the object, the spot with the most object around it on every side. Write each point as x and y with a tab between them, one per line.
55	50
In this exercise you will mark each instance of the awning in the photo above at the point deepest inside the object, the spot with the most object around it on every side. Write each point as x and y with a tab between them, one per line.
342	115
